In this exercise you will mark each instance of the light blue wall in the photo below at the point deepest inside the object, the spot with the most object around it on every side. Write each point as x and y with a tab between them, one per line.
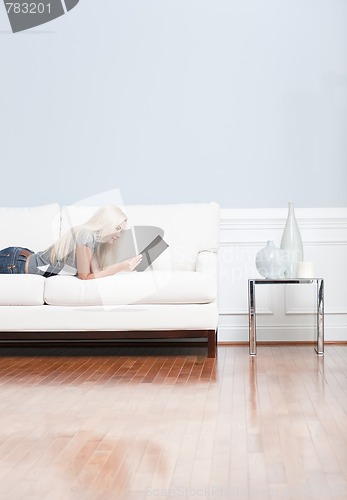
242	102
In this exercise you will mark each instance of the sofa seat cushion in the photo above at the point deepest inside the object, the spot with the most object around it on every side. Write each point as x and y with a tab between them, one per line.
150	287
21	290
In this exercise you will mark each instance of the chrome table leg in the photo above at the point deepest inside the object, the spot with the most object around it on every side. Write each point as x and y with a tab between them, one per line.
251	314
320	317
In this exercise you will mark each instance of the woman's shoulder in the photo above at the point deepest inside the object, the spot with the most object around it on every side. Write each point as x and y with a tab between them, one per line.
85	237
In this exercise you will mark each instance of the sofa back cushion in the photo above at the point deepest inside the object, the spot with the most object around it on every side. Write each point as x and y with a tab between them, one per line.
188	228
35	228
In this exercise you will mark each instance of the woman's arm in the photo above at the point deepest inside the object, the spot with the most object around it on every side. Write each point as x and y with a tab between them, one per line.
86	269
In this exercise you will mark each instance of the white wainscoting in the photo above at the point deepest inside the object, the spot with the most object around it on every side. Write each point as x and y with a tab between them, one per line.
284	312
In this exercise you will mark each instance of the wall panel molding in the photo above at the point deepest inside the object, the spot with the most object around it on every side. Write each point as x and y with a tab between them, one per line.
287	310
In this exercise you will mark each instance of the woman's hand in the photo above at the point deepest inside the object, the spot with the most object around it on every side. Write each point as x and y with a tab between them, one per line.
131	264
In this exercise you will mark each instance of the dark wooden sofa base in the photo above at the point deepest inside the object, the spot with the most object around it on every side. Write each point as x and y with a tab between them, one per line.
86	336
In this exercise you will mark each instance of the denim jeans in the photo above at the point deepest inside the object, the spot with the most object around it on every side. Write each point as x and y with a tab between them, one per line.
11	262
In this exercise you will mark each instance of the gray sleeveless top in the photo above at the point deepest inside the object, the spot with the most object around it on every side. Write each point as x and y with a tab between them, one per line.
39	263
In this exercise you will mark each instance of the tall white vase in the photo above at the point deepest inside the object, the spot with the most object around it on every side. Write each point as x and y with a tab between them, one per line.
291	242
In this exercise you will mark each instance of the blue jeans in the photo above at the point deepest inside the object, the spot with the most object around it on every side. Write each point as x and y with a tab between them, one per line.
11	262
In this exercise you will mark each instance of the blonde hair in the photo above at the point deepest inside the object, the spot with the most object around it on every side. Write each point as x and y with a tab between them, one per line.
102	224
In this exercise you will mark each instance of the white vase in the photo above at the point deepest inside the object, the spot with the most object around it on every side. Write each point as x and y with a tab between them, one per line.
291	242
271	262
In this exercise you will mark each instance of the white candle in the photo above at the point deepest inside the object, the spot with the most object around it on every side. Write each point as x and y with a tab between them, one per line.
305	269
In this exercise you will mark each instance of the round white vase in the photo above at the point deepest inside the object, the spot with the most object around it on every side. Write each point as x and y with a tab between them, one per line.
272	262
291	242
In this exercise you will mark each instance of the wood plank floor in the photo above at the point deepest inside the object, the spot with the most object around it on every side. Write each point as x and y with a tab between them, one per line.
142	423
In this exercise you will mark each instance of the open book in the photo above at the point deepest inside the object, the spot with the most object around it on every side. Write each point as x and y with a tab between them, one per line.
145	240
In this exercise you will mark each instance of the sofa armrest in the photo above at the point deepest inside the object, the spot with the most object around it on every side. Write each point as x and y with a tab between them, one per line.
207	262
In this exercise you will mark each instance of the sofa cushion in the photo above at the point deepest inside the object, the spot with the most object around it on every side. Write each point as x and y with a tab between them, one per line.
21	290
149	287
188	229
35	227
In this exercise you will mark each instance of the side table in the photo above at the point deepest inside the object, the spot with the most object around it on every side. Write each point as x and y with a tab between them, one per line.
252	283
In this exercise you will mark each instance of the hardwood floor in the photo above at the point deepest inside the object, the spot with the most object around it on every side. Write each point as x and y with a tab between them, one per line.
142	423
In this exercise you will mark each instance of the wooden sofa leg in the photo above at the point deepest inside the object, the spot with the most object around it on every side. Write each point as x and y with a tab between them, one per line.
211	344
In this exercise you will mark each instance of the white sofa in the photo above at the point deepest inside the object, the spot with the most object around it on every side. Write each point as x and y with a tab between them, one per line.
175	299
